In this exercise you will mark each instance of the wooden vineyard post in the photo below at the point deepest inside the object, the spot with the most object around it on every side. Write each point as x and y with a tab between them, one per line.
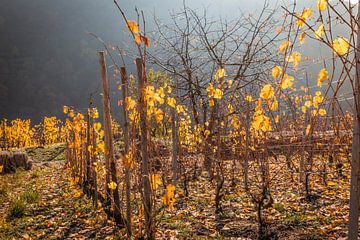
355	163
87	153
81	160
302	158
93	161
247	155
109	151
174	135
145	177
124	82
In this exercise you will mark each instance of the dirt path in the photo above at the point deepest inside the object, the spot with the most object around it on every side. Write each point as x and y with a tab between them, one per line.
38	204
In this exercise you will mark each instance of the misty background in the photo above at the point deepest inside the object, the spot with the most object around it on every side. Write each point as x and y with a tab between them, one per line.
47	58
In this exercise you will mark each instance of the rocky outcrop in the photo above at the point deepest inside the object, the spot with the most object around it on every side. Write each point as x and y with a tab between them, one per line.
10	161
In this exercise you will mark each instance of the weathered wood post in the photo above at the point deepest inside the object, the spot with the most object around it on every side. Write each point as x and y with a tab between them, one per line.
109	151
94	173
87	153
355	163
175	146
247	148
145	177
124	82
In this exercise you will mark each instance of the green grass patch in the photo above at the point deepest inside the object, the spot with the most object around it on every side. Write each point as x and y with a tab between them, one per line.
3	191
293	219
34	175
17	209
279	207
30	196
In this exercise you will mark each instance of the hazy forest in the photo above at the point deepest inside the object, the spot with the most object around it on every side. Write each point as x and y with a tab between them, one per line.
180	119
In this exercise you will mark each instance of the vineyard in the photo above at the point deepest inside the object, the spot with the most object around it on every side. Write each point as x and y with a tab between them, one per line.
222	130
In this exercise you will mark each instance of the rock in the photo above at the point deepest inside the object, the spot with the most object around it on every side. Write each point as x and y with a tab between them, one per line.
28	165
13	160
20	159
5	161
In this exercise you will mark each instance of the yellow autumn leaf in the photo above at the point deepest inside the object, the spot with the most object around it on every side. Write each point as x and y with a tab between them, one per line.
331	183
132	26
94	113
171	102
155	181
303	109
65	109
321	4
322	112
128	160
160	91
77	193
235	122
1	168
274	105
322	76
277	118
318	98
210	90
266	124
308	104
146	40
249	98
341	46
71	113
129	103
261	122
220	73
100	147
308	128
302	37
276	72
287	81
159	115
306	13
206	133
169	197
137	39
218	93
211	102
284	46
180	109
112	185
319	33
267	92
230	108
295	58
97	126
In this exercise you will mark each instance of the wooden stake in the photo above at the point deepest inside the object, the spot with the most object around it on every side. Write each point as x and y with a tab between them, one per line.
124	81
109	151
145	178
355	163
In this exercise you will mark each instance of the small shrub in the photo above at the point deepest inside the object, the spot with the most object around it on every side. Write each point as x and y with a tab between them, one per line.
34	175
16	210
3	191
30	196
279	207
293	219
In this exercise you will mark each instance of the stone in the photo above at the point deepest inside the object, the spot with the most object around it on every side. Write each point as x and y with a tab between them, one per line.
13	160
